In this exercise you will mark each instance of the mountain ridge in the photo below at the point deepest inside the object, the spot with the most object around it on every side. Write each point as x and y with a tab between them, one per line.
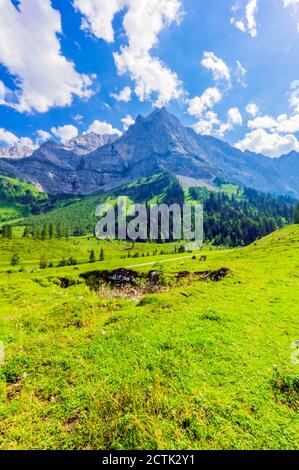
158	142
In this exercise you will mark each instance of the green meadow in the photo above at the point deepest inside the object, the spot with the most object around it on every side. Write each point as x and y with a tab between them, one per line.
196	363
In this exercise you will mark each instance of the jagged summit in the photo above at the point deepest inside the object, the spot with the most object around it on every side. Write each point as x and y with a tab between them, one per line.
157	142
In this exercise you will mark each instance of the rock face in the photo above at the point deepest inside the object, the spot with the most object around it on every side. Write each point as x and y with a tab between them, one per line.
154	143
87	143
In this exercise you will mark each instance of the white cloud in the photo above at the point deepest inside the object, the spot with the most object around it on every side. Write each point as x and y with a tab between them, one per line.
241	74
31	52
290	2
284	124
102	128
211	125
248	22
2	93
124	95
216	65
200	104
8	137
65	133
262	122
127	121
11	140
78	118
272	144
206	125
98	16
239	24
294	100
252	109
235	117
42	136
251	10
143	22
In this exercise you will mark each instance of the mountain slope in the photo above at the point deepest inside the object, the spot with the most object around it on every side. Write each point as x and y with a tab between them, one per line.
232	216
158	142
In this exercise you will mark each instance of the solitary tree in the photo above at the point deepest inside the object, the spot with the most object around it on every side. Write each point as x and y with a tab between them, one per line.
92	257
26	232
102	254
43	264
15	260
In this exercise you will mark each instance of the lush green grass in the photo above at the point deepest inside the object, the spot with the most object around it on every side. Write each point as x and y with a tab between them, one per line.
201	365
11	210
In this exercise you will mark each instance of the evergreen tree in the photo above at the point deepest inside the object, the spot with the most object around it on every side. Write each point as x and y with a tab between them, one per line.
45	232
15	260
59	231
296	214
43	264
102	255
26	232
51	231
92	257
7	231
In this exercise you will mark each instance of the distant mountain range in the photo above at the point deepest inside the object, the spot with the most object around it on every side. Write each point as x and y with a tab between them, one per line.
158	142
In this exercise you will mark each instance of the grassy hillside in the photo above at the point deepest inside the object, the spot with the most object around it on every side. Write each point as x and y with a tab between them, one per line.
195	364
233	216
20	199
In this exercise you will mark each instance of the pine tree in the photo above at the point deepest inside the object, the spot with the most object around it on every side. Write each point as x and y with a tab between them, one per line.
43	264
45	232
51	231
92	257
296	214
102	255
9	232
59	231
15	260
26	232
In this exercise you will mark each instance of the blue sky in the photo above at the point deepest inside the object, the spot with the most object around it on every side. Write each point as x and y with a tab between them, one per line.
226	67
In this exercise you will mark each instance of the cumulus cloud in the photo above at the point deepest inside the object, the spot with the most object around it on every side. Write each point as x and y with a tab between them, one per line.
210	124
42	136
102	128
127	121
273	136
271	144
124	95
31	52
8	137
252	109
217	66
206	125
248	21
284	124
65	133
11	140
234	118
143	22
200	104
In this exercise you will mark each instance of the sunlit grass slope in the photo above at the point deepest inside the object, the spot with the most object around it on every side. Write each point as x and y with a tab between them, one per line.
200	365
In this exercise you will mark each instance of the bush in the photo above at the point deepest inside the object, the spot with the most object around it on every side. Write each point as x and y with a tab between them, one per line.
15	260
